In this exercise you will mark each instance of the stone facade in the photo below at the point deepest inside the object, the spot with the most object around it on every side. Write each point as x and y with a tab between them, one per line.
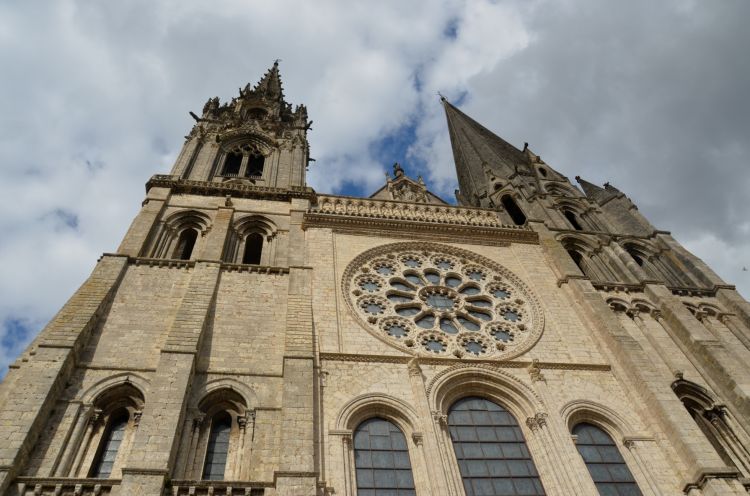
247	329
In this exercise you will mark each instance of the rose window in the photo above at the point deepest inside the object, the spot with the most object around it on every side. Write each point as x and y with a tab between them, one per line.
435	300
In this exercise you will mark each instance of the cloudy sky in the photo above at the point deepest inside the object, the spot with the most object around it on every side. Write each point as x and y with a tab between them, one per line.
651	96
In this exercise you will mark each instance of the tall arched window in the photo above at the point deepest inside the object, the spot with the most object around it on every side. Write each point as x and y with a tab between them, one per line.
255	164
218	447
185	244
381	458
515	212
253	249
578	259
110	445
604	461
232	164
716	423
573	220
491	450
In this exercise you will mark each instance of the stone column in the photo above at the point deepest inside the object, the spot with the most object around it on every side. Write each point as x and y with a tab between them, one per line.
652	487
552	429
447	454
141	229
435	479
544	453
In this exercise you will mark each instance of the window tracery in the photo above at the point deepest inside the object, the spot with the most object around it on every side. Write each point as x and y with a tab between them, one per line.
434	300
243	160
606	466
491	450
381	459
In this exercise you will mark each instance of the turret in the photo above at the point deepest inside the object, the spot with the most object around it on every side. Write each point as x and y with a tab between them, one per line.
256	138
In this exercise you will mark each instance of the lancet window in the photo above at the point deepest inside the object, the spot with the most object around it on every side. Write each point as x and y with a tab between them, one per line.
102	442
244	160
515	212
252	241
717	424
216	438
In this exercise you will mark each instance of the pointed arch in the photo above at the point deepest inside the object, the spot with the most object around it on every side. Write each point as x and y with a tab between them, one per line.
111	420
718	425
180	235
252	241
655	263
216	433
244	155
589	258
513	209
562	189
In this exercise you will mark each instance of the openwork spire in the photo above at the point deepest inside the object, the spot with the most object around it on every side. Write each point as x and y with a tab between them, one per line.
269	85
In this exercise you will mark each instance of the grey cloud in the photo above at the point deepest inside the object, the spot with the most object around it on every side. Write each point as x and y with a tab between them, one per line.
650	96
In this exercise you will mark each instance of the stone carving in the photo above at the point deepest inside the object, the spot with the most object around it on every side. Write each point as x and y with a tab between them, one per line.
382	209
432	300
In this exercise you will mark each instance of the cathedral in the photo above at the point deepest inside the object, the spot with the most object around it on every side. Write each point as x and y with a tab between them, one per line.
251	336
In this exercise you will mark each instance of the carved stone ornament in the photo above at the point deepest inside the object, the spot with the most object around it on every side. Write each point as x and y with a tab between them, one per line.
429	299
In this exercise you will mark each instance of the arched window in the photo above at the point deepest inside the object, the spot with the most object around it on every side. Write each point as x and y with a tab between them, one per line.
515	212
573	220
578	259
491	450
110	445
255	165
185	244
381	458
218	447
635	255
604	461
253	249
716	424
232	164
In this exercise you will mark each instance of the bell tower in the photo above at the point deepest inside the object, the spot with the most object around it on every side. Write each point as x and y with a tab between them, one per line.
256	138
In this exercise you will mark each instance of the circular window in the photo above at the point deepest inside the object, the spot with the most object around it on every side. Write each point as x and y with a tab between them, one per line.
429	299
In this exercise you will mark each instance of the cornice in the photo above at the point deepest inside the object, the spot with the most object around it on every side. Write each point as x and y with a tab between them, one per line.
210	188
451	361
359	215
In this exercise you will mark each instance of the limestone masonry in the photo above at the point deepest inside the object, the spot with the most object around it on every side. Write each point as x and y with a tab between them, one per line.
253	337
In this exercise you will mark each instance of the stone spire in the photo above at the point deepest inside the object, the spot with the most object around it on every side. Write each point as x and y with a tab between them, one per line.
269	85
477	151
598	194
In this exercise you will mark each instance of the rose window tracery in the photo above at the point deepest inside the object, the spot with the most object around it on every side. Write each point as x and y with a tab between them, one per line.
435	300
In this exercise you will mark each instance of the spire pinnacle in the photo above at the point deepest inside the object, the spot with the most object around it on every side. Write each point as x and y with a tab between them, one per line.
596	193
476	147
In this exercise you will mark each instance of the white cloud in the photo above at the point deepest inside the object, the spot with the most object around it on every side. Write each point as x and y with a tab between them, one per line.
95	99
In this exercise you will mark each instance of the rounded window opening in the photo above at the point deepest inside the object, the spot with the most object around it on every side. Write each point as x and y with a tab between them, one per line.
515	212
253	249
218	447
543	171
185	244
573	220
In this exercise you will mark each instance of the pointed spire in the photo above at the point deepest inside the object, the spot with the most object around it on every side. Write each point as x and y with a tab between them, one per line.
475	148
269	86
596	193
